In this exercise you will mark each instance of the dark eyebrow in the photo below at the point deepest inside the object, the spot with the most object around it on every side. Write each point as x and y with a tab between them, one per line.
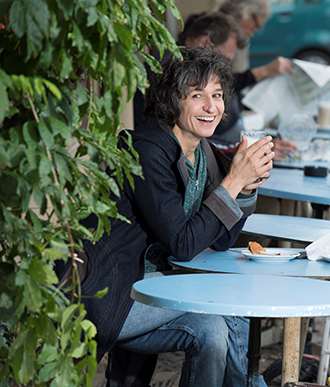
201	89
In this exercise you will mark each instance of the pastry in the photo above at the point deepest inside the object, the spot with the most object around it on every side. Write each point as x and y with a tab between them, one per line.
256	248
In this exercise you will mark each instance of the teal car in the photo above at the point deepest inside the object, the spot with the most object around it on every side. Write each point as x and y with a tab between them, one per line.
296	29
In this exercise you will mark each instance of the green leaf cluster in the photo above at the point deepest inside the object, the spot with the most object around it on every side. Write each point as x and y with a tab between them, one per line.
67	68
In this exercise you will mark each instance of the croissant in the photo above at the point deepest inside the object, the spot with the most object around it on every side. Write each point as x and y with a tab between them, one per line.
256	248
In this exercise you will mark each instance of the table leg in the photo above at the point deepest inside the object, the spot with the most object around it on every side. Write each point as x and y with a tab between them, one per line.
254	354
325	354
291	348
319	210
303	336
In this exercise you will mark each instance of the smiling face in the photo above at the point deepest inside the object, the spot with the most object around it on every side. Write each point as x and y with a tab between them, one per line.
200	114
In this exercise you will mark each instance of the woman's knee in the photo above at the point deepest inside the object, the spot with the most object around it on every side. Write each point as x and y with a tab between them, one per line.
211	333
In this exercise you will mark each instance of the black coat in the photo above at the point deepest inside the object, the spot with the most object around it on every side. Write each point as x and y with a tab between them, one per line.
155	211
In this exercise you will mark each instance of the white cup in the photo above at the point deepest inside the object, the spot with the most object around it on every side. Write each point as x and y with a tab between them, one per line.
252	135
323	118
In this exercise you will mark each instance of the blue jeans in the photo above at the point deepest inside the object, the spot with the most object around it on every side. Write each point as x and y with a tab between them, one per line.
215	346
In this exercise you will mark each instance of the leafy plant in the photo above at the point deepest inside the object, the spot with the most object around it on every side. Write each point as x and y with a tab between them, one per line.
52	54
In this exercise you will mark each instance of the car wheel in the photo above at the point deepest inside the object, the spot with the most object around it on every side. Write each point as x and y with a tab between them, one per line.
316	56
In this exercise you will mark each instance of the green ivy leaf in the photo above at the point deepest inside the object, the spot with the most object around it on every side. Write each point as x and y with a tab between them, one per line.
80	351
18	344
38	9
48	354
32	295
46	134
37	225
82	96
60	127
4	102
52	254
66	66
33	37
124	34
92	17
77	37
101	293
62	168
20	277
45	166
53	89
41	273
39	87
17	20
47	372
50	275
68	314
66	6
65	372
27	369
30	134
89	328
40	198
5	301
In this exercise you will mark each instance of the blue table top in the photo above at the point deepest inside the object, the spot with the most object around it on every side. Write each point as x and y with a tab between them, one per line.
234	294
290	228
293	184
232	261
300	164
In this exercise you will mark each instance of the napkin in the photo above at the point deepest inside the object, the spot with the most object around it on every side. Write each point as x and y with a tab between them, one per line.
319	248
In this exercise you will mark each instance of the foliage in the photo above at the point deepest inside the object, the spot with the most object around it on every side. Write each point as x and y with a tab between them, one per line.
51	172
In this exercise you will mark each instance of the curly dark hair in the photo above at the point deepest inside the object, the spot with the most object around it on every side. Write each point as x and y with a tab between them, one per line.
197	67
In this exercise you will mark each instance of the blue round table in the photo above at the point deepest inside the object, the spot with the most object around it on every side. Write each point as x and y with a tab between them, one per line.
253	296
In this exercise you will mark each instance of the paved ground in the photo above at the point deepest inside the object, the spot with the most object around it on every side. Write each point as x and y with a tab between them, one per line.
167	373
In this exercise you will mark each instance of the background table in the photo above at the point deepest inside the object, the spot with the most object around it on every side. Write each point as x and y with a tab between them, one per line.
289	228
293	184
253	296
301	164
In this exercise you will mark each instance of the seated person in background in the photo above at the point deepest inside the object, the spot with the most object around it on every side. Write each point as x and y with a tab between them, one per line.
192	197
202	29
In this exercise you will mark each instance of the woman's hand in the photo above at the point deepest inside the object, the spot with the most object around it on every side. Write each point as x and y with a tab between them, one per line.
250	166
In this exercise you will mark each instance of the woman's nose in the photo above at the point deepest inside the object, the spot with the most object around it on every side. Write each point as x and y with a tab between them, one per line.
209	104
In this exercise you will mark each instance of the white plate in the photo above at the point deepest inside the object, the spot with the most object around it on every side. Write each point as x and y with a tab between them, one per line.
269	256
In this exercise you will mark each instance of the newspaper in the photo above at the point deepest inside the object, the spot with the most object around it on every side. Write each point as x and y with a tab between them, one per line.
278	96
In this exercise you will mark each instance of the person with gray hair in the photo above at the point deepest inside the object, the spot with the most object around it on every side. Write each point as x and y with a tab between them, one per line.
251	15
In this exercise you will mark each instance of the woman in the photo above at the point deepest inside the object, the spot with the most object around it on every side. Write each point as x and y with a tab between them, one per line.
192	197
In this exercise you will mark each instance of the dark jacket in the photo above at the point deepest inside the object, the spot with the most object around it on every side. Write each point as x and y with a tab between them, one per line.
155	211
